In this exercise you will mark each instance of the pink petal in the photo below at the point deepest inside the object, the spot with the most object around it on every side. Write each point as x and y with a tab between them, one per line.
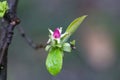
57	33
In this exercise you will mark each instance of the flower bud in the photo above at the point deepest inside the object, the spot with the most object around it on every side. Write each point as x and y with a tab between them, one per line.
56	33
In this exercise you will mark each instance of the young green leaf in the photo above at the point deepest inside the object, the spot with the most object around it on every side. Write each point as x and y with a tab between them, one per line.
54	61
3	8
75	24
47	47
73	27
67	47
72	42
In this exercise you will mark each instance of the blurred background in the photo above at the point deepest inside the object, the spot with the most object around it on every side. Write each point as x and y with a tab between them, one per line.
97	40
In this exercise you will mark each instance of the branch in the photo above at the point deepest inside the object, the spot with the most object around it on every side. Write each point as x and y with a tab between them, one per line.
30	41
7	33
13	5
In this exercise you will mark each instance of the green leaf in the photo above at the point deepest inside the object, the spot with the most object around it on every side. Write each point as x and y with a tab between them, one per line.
47	47
73	27
67	47
54	61
75	24
3	8
59	45
72	42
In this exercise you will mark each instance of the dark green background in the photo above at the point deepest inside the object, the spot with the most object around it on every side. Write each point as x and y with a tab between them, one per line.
38	15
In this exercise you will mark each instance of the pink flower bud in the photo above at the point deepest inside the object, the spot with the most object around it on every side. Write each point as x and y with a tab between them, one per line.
56	33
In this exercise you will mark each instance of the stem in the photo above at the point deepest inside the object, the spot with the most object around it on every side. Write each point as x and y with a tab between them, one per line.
28	40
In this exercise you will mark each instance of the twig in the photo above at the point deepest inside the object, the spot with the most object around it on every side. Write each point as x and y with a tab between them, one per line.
28	40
